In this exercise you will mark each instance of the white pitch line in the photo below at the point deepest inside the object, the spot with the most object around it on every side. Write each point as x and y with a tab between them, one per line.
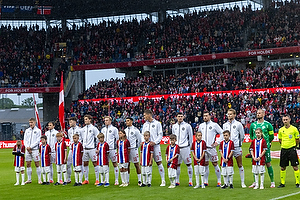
288	195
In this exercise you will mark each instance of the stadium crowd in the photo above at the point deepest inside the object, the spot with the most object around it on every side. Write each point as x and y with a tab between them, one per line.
165	110
221	80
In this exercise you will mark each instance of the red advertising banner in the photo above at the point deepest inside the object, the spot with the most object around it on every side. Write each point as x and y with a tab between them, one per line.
29	90
200	94
164	140
151	62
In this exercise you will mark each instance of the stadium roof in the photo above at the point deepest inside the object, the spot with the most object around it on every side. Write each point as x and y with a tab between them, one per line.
82	9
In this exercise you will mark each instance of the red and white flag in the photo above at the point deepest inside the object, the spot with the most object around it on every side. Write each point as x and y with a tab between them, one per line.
44	10
37	114
62	104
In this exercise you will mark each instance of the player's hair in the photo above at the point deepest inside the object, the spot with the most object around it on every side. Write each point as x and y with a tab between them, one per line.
206	111
226	131
88	116
286	115
173	137
44	137
148	112
51	122
109	117
260	130
73	119
179	113
263	110
147	133
32	119
19	143
232	110
198	132
130	118
100	135
76	135
59	134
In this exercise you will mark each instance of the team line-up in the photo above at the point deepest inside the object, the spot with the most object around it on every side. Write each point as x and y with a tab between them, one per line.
122	148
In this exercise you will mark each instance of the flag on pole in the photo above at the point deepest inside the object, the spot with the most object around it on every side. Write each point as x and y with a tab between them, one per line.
62	104
37	113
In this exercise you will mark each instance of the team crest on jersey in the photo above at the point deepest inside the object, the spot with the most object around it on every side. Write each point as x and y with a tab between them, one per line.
225	145
210	128
109	131
153	126
183	128
132	133
175	129
290	136
234	127
198	145
171	149
263	127
90	131
34	132
52	135
257	143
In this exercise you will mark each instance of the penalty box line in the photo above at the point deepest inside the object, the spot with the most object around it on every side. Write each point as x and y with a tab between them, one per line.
288	195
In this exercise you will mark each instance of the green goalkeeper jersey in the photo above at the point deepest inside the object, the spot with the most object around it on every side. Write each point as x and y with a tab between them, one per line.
267	130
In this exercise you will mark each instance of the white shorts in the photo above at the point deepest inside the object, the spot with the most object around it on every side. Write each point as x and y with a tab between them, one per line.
199	170
172	172
123	165
157	153
19	169
61	168
70	158
103	169
211	155
89	154
34	155
227	171
77	168
258	169
146	170
185	156
45	170
52	157
134	155
113	155
237	152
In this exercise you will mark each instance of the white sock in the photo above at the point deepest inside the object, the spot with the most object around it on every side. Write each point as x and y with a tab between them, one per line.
190	173
256	179
202	180
97	172
18	178
231	179
76	174
206	174
29	172
80	177
122	177
139	177
262	177
225	180
218	173
101	178
149	176
23	178
242	175
44	177
48	177
177	174
51	172
126	176
116	173
58	177
161	172
197	180
39	173
65	176
144	179
69	171
86	172
106	177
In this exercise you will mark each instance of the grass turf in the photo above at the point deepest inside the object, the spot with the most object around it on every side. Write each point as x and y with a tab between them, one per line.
33	190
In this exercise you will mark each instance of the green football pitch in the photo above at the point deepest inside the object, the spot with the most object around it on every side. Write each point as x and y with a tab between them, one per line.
35	191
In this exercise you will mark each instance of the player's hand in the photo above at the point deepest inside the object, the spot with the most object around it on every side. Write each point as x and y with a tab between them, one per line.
97	152
152	143
214	144
150	163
